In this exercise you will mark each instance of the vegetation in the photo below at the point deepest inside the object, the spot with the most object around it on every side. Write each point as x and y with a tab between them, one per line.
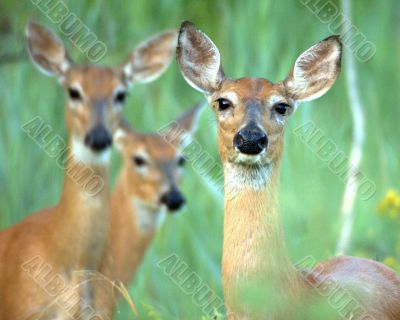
260	38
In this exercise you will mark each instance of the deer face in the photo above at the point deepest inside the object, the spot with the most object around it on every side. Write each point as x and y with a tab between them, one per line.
251	112
153	169
96	94
153	164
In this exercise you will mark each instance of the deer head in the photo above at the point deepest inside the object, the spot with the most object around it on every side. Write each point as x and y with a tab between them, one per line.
153	164
96	94
252	112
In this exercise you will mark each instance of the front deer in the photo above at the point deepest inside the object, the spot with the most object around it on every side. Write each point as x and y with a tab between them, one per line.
147	187
251	115
56	242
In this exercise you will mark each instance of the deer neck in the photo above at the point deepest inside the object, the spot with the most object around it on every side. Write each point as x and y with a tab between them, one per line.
254	247
133	226
82	216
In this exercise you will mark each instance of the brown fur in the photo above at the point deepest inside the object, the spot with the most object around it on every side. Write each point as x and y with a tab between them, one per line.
128	240
254	250
71	236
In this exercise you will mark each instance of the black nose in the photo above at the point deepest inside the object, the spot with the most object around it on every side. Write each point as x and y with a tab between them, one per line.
98	139
173	200
250	140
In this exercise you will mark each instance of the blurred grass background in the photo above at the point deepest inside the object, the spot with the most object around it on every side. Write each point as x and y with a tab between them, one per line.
260	38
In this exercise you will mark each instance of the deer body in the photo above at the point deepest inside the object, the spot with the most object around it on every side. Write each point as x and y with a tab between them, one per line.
251	115
42	256
79	220
147	188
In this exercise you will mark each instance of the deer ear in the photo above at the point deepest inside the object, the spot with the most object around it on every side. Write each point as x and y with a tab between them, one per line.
199	59
180	131
46	50
121	135
151	58
315	71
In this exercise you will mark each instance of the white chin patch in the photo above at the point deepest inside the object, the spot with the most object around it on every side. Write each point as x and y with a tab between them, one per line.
249	159
148	217
241	175
87	156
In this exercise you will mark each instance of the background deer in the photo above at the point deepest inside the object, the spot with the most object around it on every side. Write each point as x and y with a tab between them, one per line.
251	115
147	188
39	256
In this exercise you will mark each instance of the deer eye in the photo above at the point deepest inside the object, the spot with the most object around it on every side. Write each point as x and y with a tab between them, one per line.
139	161
181	161
120	97
223	104
282	108
74	94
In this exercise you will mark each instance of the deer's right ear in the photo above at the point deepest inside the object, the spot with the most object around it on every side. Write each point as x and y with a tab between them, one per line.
151	58
121	135
46	50
199	59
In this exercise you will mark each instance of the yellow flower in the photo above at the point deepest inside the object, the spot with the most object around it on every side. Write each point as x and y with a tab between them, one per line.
391	197
390	205
390	261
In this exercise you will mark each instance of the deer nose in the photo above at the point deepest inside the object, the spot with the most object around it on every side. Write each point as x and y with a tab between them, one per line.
250	140
173	199
98	139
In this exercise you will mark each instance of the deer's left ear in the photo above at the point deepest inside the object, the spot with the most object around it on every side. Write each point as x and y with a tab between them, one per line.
180	131
151	58
315	70
46	50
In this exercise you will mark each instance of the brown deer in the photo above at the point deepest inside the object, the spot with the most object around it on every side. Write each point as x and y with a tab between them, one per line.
40	255
251	115
147	188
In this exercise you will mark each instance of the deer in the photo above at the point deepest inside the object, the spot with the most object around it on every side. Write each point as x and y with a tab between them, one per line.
251	116
147	188
41	256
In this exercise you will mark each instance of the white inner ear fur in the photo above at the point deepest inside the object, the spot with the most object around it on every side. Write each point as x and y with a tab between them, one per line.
302	78
119	135
209	71
87	156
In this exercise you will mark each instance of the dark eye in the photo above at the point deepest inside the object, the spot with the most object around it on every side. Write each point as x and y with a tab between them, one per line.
139	161
74	94
181	161
120	97
223	104
282	108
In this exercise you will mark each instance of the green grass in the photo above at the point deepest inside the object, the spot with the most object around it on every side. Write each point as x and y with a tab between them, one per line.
260	38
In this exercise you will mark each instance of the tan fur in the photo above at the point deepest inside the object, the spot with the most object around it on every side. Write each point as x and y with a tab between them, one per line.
254	250
70	237
129	238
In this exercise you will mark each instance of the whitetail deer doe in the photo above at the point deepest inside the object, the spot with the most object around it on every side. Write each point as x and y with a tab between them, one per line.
147	187
57	242
251	115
